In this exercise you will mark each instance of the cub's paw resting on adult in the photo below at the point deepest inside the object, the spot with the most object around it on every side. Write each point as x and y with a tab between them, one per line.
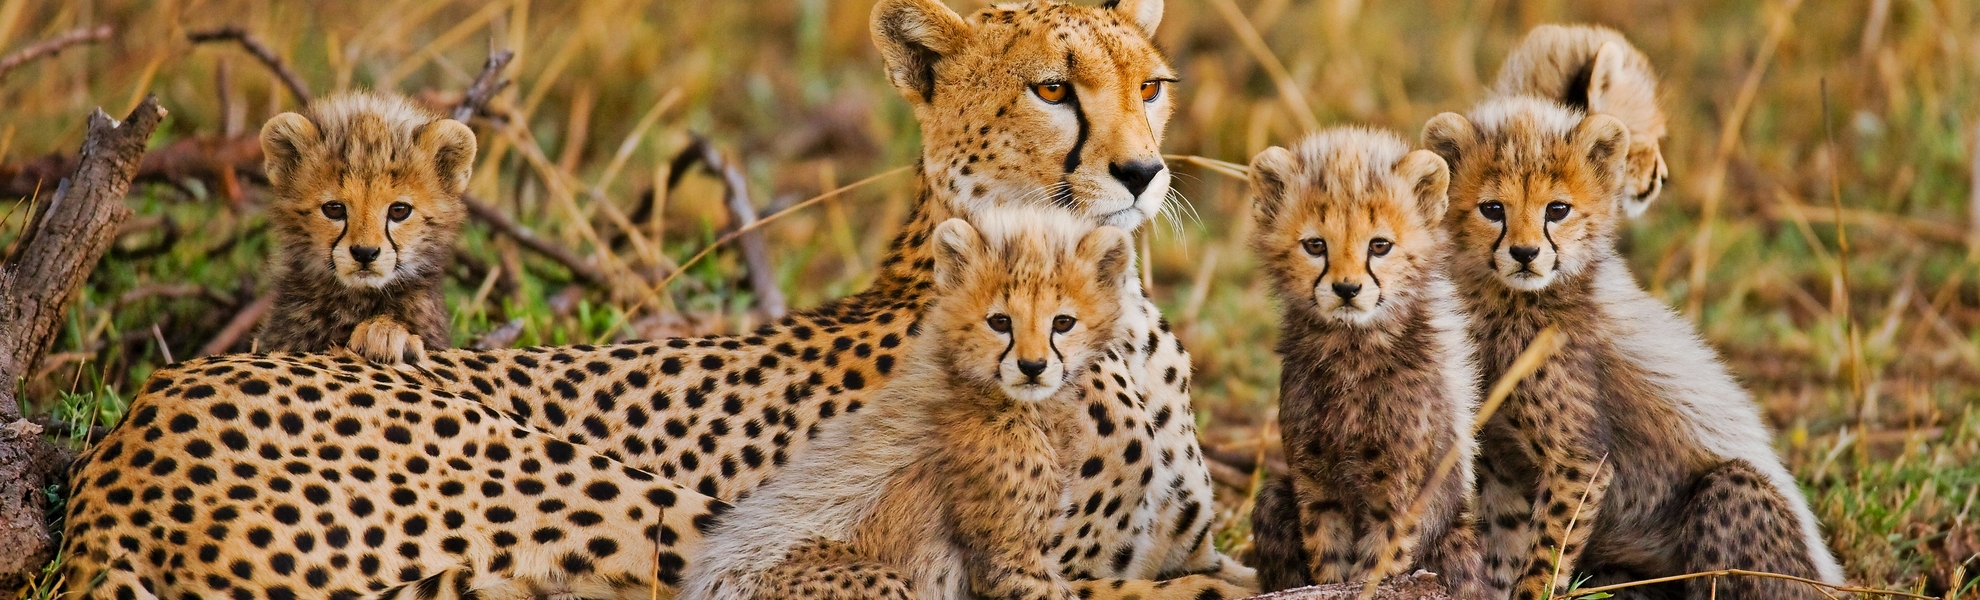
385	341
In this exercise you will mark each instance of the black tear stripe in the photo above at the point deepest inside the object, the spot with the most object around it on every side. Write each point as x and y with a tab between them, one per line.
1326	264
1072	97
1053	343
1368	264
1549	234
397	257
340	238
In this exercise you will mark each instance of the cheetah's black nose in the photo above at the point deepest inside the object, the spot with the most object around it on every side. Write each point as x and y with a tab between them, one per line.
1346	291
1524	254
364	254
1136	174
1031	368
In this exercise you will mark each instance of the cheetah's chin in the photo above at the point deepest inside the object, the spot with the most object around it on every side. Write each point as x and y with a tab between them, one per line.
366	279
1526	281
1031	392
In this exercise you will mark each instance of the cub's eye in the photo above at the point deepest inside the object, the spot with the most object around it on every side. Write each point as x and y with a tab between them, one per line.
1314	246
1150	90
1000	323
1054	92
1557	211
398	211
334	210
1492	211
1063	323
1380	247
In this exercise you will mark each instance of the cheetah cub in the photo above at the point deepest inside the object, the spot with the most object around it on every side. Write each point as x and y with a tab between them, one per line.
1632	453
367	207
1594	69
947	484
1378	382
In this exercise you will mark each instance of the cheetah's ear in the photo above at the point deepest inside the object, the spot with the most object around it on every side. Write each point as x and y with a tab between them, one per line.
1449	135
1111	252
284	141
1430	180
1145	13
1605	142
1271	176
1607	66
914	35
452	146
955	245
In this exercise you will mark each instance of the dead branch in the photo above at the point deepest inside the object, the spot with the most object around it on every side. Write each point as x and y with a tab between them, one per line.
260	51
485	87
1421	585
240	326
54	426
586	272
500	337
756	254
218	162
52	46
65	239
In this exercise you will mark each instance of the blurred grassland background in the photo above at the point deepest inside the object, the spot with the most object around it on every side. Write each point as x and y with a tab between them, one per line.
1872	386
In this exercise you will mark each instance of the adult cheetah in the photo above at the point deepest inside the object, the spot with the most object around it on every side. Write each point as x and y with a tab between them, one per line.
1030	102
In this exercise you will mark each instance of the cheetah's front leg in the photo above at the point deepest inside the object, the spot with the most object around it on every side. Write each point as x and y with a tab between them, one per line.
385	341
1573	480
1329	540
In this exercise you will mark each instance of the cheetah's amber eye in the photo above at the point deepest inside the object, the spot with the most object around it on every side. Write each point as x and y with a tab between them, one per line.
1063	323
334	210
1557	211
1150	90
1380	247
1492	211
1314	246
398	211
1052	92
1000	323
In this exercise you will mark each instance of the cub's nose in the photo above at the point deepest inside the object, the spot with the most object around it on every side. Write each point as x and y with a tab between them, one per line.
364	254
1524	254
1136	174
1347	291
1031	368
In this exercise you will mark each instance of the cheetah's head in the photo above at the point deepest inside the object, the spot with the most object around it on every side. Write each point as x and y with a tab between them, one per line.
1347	221
1595	69
367	188
1039	102
1028	300
1536	188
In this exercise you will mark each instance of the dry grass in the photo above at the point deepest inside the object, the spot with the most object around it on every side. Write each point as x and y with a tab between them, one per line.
1745	240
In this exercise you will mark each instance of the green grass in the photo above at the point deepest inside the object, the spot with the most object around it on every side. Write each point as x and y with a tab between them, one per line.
793	89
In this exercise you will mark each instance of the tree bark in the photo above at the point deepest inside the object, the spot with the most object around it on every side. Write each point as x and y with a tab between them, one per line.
65	239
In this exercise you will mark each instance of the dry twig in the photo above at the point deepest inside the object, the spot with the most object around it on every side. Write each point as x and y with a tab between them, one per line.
485	86
52	46
742	212
260	51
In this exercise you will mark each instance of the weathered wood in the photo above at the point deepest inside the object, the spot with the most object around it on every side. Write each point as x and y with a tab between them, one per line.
64	241
261	52
1422	585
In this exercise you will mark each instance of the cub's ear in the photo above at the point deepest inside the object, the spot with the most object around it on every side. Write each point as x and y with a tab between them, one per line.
452	146
914	35
284	141
1145	13
1449	135
1606	67
956	245
1430	182
1111	252
1604	141
1271	179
